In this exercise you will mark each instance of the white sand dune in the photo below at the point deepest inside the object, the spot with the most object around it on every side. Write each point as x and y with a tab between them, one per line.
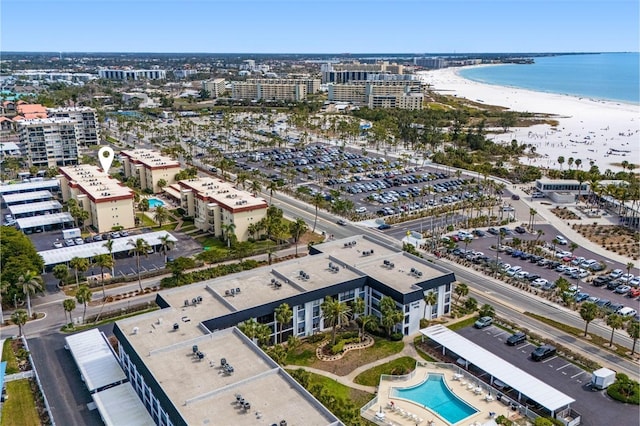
604	132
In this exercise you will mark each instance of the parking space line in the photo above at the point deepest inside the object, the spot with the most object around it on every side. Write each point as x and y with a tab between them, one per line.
524	346
547	360
564	366
576	375
500	334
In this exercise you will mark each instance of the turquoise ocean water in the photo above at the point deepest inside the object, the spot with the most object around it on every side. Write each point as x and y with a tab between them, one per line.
607	76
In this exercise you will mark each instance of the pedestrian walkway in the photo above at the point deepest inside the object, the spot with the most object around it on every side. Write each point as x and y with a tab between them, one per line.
19	376
348	380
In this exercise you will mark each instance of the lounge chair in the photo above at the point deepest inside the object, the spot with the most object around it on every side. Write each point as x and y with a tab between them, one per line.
489	398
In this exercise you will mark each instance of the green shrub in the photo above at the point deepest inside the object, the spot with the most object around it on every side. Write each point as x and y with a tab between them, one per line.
625	390
315	338
338	347
349	335
396	337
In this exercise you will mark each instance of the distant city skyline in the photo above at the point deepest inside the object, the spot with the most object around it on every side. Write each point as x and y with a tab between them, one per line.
316	26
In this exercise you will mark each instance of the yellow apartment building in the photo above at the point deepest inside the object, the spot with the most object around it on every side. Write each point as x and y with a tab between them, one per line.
149	167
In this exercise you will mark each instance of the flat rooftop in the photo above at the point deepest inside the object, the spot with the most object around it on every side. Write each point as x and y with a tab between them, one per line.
150	158
94	182
29	186
35	207
221	192
44	220
25	197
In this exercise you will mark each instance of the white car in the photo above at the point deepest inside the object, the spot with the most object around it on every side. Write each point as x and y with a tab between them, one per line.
635	282
561	240
361	210
615	274
520	275
626	278
57	244
561	254
513	270
539	282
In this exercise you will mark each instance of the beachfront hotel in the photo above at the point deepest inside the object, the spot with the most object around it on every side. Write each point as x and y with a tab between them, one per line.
150	167
109	203
273	89
214	203
379	94
49	142
174	356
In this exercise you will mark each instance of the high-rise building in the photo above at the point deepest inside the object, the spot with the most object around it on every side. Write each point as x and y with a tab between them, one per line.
86	122
355	71
150	167
49	142
109	203
432	63
264	90
215	87
379	94
127	74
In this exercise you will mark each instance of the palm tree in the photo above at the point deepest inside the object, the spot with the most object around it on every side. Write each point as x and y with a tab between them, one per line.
143	205
19	317
161	184
461	290
532	217
588	311
318	199
430	299
629	266
228	232
161	215
166	244
30	283
79	264
272	188
297	229
334	313
487	310
109	246
61	273
634	332
284	314
560	161
139	247
83	296
68	305
103	261
391	315
614	321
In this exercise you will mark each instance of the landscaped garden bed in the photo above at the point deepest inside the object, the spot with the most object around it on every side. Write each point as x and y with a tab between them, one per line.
617	239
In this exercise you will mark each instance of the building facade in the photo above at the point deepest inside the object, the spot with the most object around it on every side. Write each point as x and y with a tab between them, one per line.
150	167
215	204
86	121
124	74
379	94
263	90
215	87
312	85
109	203
49	142
345	72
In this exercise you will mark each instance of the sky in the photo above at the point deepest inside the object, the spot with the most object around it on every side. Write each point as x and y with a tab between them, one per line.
320	26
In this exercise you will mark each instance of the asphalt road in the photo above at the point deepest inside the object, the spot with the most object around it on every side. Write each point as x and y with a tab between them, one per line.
596	408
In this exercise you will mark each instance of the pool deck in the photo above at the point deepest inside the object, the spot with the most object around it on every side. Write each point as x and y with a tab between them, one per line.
403	412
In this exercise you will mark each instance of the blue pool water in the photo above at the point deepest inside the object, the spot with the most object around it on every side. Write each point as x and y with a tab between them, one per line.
154	202
434	394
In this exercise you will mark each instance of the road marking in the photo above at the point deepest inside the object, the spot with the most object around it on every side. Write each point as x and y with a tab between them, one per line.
545	361
524	346
576	375
564	366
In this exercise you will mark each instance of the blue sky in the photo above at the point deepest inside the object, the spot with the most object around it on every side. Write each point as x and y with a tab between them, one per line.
320	26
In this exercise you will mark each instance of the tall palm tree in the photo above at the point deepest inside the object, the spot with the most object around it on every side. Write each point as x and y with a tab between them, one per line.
633	328
318	199
532	216
19	317
109	246
430	299
68	305
334	313
79	264
255	187
284	314
461	290
139	247
103	261
30	283
297	230
272	187
161	215
83	296
614	321
588	311
166	244
228	232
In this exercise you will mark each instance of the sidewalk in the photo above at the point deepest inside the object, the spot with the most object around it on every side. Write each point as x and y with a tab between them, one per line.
348	380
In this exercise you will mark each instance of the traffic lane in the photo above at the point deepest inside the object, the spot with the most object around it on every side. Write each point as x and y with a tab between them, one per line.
595	407
60	378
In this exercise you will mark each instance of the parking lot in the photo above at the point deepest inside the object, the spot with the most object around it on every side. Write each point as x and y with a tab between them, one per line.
544	269
596	408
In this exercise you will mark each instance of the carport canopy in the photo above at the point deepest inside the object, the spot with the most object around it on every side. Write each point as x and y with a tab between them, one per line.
65	254
26	197
120	405
514	377
41	206
44	220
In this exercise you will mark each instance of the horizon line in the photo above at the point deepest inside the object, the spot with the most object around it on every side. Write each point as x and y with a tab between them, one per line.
57	52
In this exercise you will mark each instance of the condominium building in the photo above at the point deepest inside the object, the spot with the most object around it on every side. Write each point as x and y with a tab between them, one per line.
215	87
199	321
109	203
49	142
127	74
379	94
355	71
150	167
215	203
263	90
312	84
86	122
432	63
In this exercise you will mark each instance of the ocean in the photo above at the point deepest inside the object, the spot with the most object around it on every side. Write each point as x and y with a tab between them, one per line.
605	76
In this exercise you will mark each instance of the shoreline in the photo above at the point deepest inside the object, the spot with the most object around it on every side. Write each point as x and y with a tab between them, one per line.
598	132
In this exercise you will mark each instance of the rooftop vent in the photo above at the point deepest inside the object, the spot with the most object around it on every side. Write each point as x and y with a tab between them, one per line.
176	326
135	330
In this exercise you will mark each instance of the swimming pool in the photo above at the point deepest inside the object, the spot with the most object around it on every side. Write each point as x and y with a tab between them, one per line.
434	394
154	202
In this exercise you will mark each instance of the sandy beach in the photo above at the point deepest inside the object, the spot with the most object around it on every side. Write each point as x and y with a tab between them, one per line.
604	132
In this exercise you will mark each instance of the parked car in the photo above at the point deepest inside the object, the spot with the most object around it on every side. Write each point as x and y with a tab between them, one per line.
615	274
516	338
634	292
581	297
69	242
520	230
479	233
627	312
384	226
543	352
483	322
515	197
622	289
57	244
561	240
539	282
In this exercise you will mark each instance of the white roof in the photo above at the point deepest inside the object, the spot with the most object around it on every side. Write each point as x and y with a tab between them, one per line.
27	196
29	186
120	405
43	220
35	207
95	360
65	254
9	146
537	390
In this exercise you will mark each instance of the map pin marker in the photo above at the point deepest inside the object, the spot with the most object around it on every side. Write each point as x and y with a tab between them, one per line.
106	155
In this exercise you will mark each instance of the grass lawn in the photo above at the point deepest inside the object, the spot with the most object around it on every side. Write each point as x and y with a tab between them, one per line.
423	355
462	324
20	408
398	366
145	220
340	391
210	241
10	357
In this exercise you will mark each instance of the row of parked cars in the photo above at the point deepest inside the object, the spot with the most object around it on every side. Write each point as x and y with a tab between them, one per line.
539	354
96	238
